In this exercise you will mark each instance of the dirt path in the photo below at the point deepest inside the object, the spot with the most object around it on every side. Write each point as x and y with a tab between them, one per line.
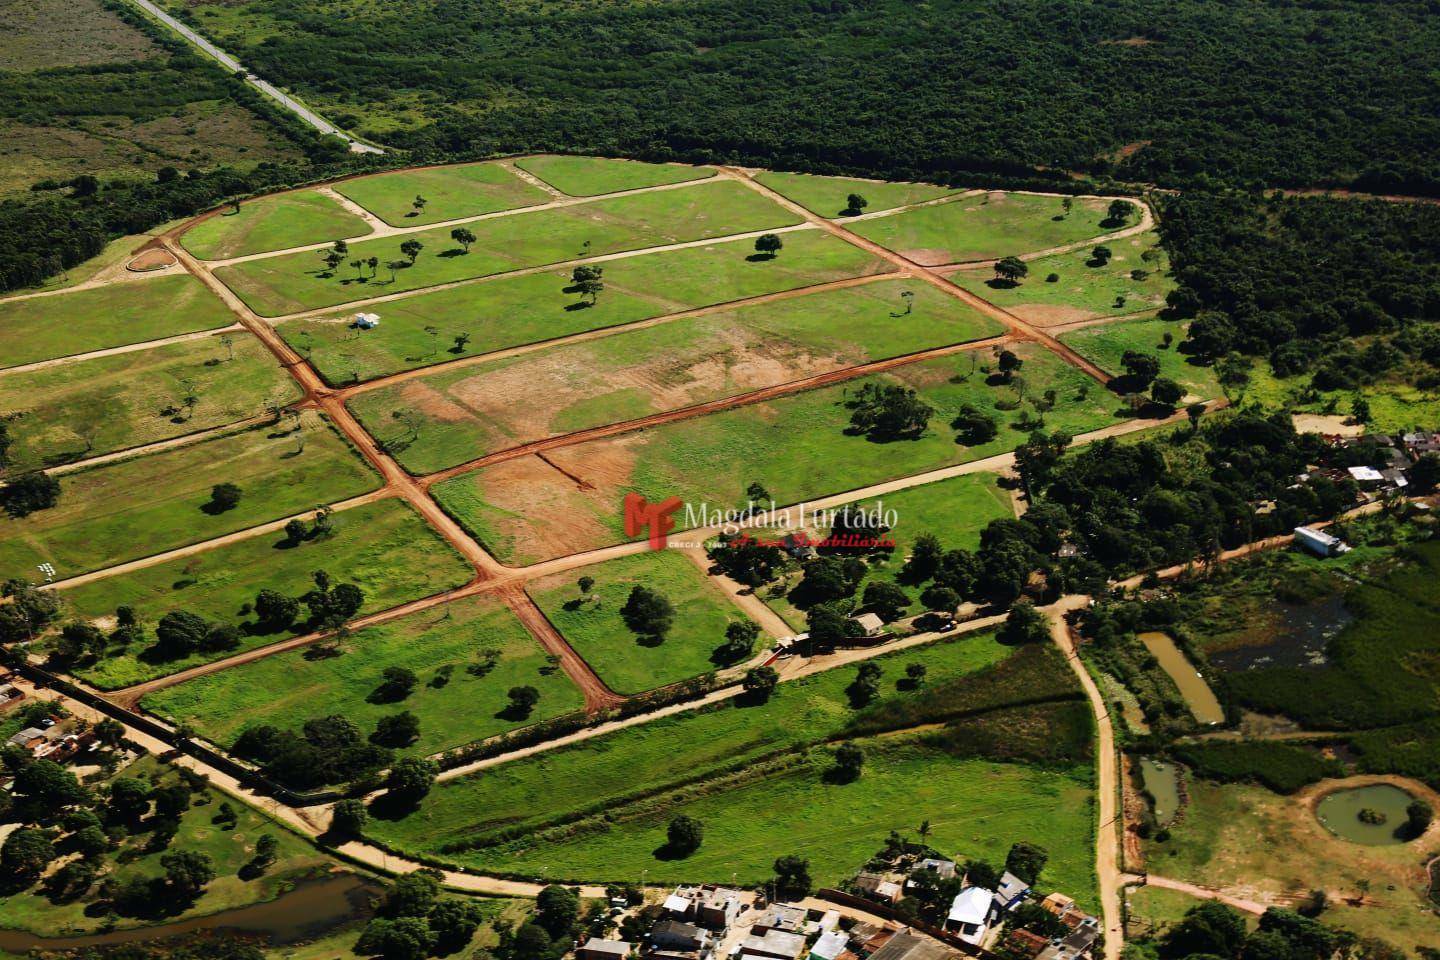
350	206
1107	847
743	597
603	332
184	440
1195	890
530	178
1146	222
1019	327
710	406
125	348
598	695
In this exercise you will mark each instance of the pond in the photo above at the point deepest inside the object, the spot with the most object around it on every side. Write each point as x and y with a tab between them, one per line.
1162	782
1197	693
1289	635
309	910
1341	814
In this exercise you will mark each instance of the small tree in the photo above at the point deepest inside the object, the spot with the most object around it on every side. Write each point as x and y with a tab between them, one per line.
849	758
684	836
411	249
760	682
915	673
648	613
349	817
523	700
1024	624
1120	211
1011	269
854	204
740	636
1418	816
397	730
419	205
792	878
1140	367
463	237
1166	392
768	245
224	496
1100	255
586	584
1195	411
410	779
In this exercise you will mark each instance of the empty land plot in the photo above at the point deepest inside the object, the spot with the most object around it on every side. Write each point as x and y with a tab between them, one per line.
41	328
1083	288
46	34
830	196
592	176
133	508
797	447
453	416
96	406
1107	344
975	809
275	286
984	227
513	311
467	654
627	661
571	782
384	548
467	190
275	222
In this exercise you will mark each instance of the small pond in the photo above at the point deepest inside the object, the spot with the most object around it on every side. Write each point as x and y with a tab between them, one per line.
1162	782
1341	811
1197	693
1294	636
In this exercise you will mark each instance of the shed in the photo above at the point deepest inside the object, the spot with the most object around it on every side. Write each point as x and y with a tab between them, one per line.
870	623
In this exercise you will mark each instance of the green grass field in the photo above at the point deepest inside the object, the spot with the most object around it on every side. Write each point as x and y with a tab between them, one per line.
796	447
455	706
228	849
985	227
467	190
90	407
624	660
384	548
465	413
512	311
955	510
1082	291
975	809
118	314
1105	345
275	286
592	176
592	775
133	508
276	222
828	196
1394	407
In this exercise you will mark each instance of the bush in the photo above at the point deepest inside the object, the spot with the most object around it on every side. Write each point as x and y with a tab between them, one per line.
1279	766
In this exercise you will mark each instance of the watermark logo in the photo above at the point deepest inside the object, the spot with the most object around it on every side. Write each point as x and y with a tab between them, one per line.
640	514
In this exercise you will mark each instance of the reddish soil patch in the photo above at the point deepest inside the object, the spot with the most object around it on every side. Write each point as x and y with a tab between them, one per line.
156	258
928	256
1050	314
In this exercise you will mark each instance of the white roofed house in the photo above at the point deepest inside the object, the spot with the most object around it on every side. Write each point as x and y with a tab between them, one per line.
969	917
830	945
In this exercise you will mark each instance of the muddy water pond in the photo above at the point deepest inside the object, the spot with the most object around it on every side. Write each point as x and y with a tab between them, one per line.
1162	782
1373	815
310	910
1197	693
1294	636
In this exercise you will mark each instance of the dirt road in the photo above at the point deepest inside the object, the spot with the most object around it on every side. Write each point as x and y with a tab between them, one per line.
598	695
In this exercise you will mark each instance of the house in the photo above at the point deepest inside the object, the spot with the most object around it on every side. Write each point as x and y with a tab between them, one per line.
1074	945
1025	943
366	321
830	945
870	624
970	914
1365	475
875	887
31	738
1319	543
866	939
782	917
773	945
10	695
674	936
1419	444
906	945
708	906
1058	904
1011	891
597	949
944	869
1393	478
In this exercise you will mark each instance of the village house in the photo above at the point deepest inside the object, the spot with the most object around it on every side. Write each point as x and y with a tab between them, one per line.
870	624
969	917
598	949
873	886
906	945
1011	892
708	906
1025	943
830	946
773	945
676	939
782	917
10	695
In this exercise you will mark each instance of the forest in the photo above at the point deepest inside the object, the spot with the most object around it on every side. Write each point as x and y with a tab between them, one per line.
1178	92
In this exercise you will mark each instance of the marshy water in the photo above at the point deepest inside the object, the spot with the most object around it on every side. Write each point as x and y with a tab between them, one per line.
1340	811
1297	637
1162	782
1197	693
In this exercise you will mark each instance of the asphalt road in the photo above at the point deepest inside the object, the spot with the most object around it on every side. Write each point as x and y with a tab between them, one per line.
233	65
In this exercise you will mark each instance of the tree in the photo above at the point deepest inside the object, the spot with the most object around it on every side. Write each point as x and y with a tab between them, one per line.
411	249
25	853
78	641
1026	860
974	426
1360	409
849	758
224	496
410	895
419	204
453	924
397	730
940	598
28	493
187	872
768	245
296	531
760	682
648	613
1209	928
740	637
28	611
1417	818
924	558
463	237
1166	392
886	599
1194	412
684	836
915	673
1011	269
1119	211
393	265
889	412
1140	367
273	610
266	849
461	339
129	798
408	938
792	877
374	264
349	817
1037	457
1008	362
1425	473
557	909
1100	255
586	584
522	700
397	683
1024	624
866	685
410	779
180	633
854	204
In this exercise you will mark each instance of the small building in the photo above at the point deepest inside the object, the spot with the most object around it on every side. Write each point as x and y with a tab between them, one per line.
1058	904
31	738
870	624
907	945
674	935
969	917
1320	543
1365	475
875	887
10	695
598	949
782	917
1011	892
366	321
1025	943
830	945
944	869
773	945
708	906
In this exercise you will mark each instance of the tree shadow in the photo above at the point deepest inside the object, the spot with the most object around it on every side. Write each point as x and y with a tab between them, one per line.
451	253
1002	283
670	853
760	257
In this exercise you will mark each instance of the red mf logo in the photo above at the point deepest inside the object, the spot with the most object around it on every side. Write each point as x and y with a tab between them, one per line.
639	514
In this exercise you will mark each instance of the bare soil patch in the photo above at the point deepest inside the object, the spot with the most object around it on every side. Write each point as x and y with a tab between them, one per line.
927	256
1334	424
156	258
1050	314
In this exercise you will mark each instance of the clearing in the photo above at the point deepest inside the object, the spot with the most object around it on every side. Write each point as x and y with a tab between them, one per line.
467	190
1105	345
275	222
593	176
829	196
